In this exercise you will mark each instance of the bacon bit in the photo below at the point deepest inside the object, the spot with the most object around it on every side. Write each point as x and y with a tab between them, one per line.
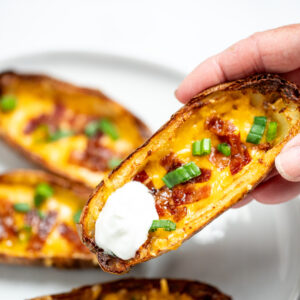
60	116
141	176
188	194
72	237
95	156
219	127
7	226
169	201
144	178
178	213
264	147
45	226
33	124
163	199
225	131
240	157
203	177
170	162
218	159
52	120
32	218
165	205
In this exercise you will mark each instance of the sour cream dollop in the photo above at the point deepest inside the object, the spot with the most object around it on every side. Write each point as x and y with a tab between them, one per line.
123	224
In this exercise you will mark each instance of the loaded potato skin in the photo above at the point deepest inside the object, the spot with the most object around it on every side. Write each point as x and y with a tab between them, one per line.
237	119
143	289
38	216
78	133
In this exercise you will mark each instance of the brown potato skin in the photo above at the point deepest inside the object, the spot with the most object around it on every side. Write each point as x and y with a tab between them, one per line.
195	289
262	83
65	86
32	177
58	85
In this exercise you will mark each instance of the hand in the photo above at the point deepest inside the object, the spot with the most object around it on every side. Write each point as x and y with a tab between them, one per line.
273	51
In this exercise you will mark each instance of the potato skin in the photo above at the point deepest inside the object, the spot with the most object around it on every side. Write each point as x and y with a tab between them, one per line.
32	177
195	289
53	86
265	84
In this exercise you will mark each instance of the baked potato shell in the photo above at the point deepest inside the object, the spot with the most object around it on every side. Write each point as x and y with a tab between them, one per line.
264	90
39	94
13	184
159	288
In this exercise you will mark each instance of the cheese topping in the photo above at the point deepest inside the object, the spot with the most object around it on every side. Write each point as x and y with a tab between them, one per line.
123	224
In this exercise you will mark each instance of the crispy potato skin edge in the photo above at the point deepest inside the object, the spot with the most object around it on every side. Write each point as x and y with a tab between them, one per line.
195	289
30	176
262	83
63	86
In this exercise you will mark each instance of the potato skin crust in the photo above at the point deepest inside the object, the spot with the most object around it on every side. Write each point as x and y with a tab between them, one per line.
31	177
56	86
195	289
265	84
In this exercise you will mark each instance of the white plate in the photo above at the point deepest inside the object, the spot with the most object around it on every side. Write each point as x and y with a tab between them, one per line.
250	253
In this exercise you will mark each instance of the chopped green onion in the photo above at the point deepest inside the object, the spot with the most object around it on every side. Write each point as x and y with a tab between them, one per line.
257	130
167	225
44	189
272	131
224	148
206	146
76	216
103	125
114	162
196	148
91	128
260	121
42	192
22	207
181	174
8	103
201	147
108	128
253	138
60	134
38	200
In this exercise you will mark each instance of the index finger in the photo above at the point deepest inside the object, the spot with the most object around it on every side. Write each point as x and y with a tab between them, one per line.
276	50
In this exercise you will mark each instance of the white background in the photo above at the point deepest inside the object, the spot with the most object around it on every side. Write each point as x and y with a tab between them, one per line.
178	34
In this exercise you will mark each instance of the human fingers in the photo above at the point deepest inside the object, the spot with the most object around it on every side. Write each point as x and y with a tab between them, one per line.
288	161
249	197
276	190
275	50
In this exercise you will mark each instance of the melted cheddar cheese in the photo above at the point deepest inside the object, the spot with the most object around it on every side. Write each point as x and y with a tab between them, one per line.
240	111
52	224
153	294
38	98
221	117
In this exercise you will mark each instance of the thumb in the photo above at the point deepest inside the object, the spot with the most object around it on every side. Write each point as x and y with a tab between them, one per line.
288	161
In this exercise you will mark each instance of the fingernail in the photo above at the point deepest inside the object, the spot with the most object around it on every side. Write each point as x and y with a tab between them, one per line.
288	164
